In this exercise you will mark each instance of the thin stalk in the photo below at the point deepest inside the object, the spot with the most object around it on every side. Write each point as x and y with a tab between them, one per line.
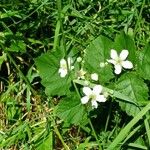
21	74
93	130
147	127
63	43
125	131
108	117
89	120
139	17
60	137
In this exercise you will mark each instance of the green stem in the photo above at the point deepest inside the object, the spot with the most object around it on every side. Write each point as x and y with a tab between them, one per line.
93	130
125	131
60	137
139	17
108	117
89	120
21	74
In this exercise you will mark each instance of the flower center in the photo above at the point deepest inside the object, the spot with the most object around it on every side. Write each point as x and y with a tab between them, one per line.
92	97
118	61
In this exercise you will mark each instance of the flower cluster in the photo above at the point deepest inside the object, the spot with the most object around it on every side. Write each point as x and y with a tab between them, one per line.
96	94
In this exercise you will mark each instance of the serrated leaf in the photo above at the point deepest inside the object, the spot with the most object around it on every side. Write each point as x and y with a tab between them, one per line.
48	66
144	62
97	52
135	88
71	110
123	41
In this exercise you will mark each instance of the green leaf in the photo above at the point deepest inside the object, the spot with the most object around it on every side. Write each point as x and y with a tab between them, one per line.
2	59
144	62
123	41
71	110
135	88
48	66
98	52
46	144
125	131
17	46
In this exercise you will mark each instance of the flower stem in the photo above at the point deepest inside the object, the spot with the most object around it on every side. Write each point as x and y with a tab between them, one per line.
89	120
93	130
60	137
21	74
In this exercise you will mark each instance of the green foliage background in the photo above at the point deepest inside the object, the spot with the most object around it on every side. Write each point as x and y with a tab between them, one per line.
29	28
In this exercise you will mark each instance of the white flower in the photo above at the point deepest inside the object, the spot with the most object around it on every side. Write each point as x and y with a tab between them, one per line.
119	61
81	73
94	76
93	95
64	66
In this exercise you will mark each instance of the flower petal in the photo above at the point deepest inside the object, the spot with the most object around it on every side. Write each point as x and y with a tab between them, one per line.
127	64
63	62
100	98
112	61
63	72
94	104
97	89
84	99
124	54
113	54
118	69
87	90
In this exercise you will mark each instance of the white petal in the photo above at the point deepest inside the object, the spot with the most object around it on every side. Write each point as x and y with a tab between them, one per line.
63	72
84	99
113	54
97	89
118	69
124	54
94	76
112	61
87	91
62	62
127	64
94	104
101	98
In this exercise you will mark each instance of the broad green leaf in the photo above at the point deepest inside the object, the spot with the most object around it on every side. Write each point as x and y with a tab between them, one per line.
48	66
144	62
71	110
123	41
98	52
135	88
